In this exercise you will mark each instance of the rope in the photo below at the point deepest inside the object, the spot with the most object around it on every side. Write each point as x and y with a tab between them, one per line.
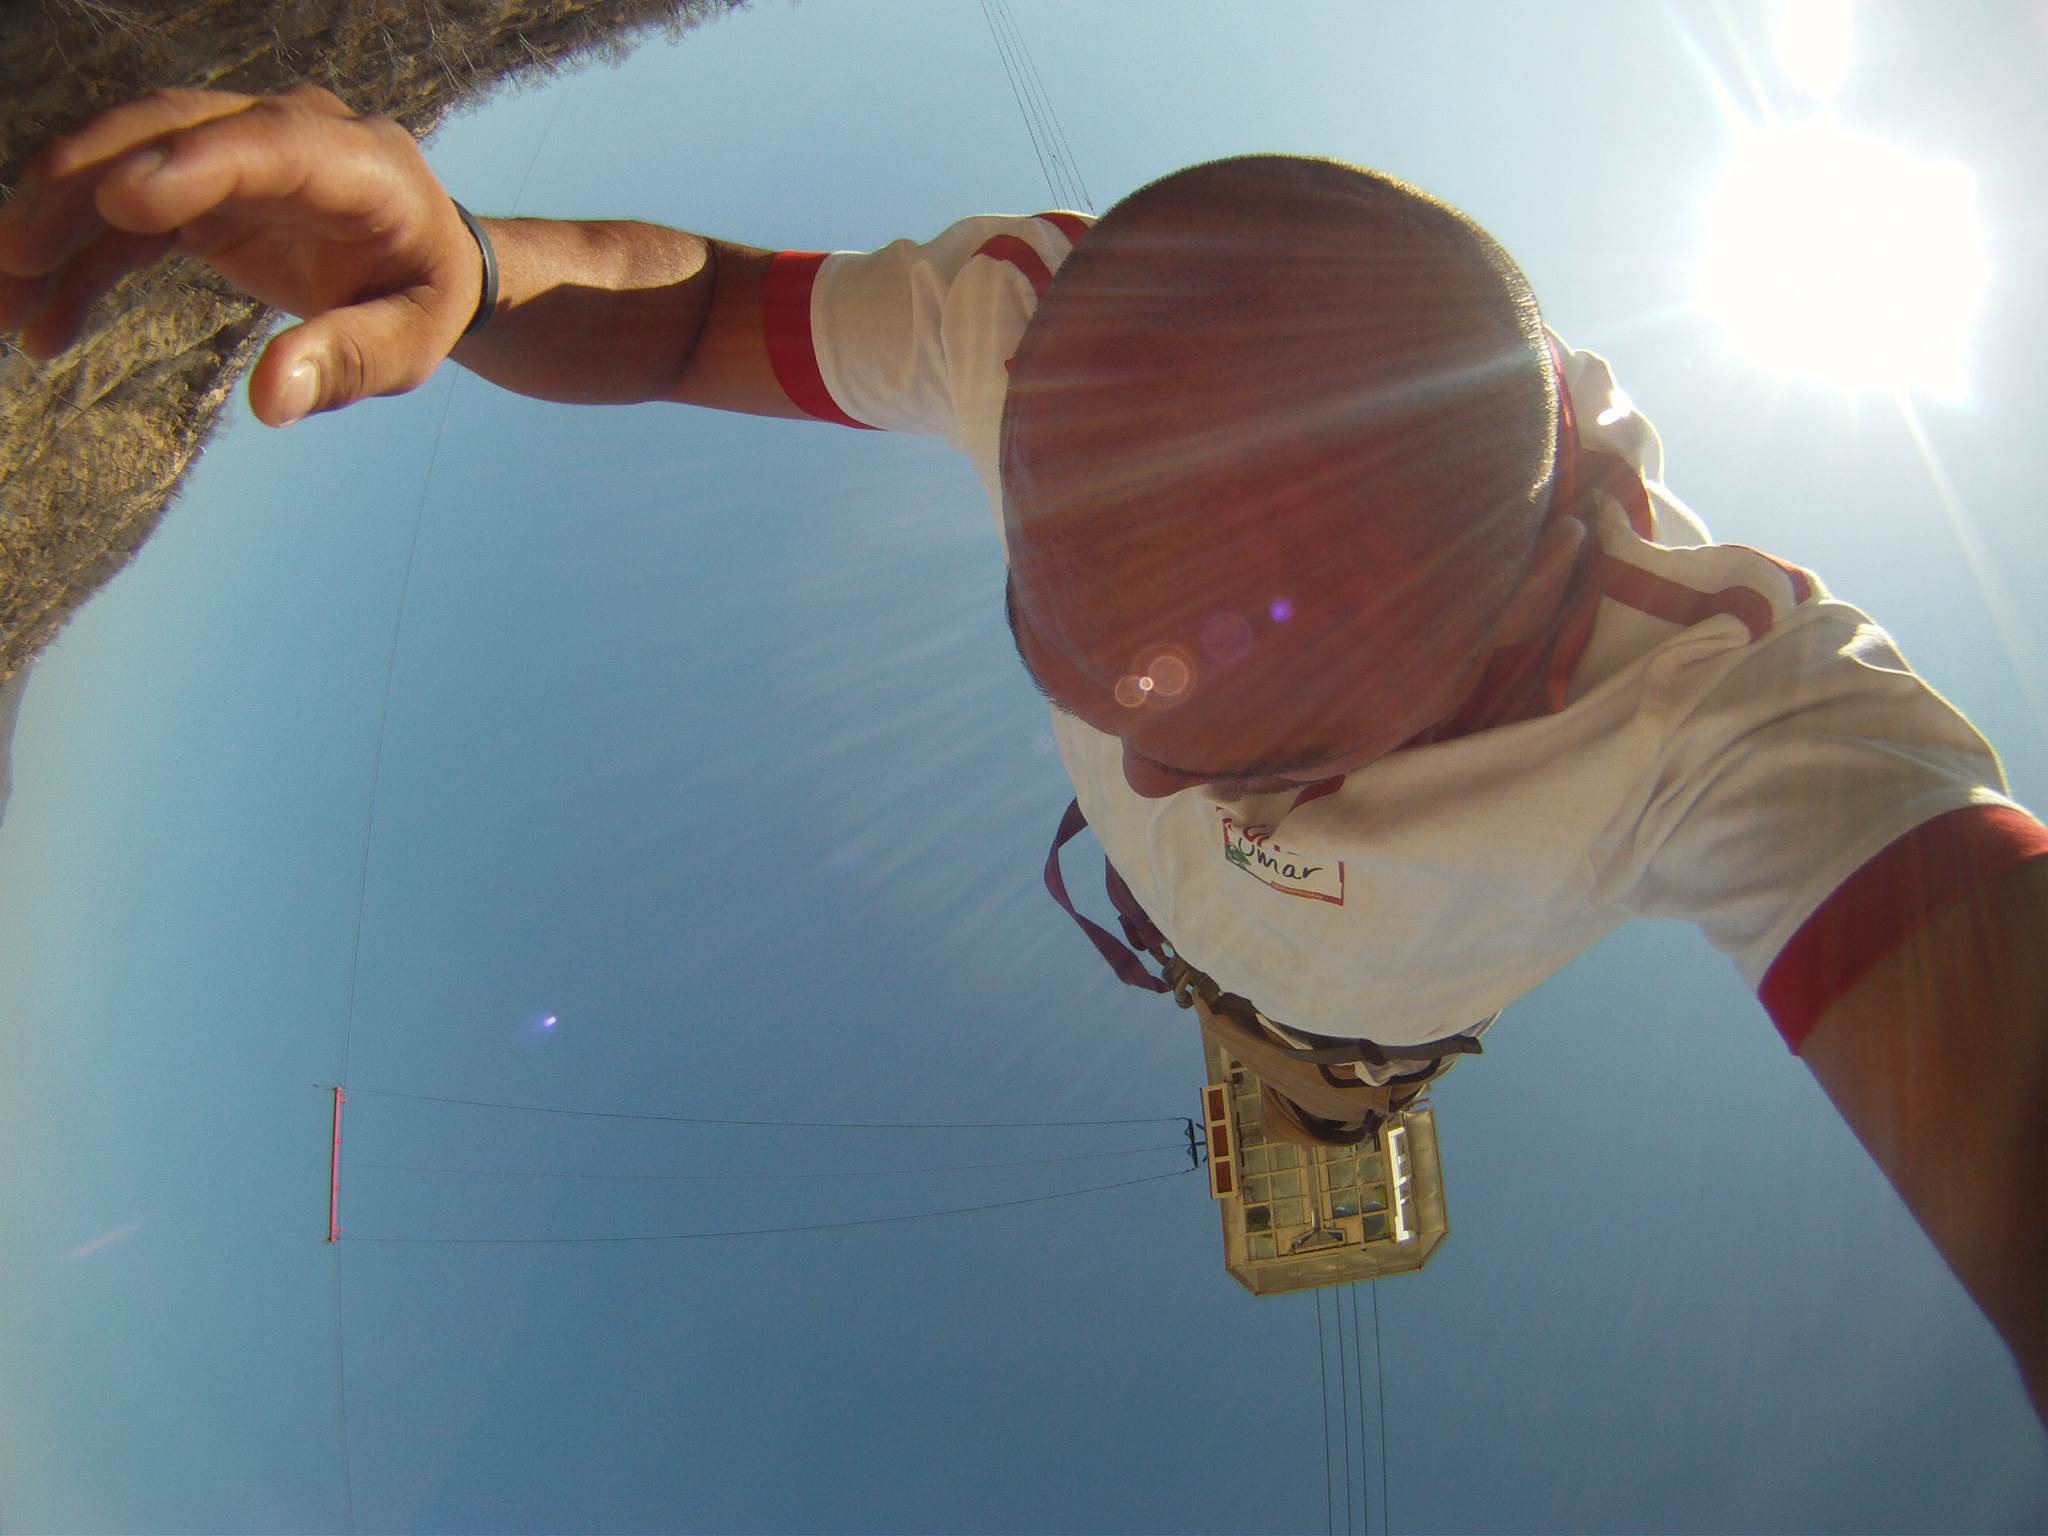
369	828
1344	1397
805	1125
1003	54
1358	1373
858	1173
821	1226
1329	1480
1058	148
1386	1519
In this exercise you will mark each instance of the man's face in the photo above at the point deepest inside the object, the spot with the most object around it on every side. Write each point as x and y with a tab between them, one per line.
1365	716
1226	532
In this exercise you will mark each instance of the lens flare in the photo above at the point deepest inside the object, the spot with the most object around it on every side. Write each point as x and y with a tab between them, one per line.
104	1241
1168	676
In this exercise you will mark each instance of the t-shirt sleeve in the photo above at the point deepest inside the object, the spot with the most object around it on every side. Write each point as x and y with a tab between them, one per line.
1609	423
912	337
1815	806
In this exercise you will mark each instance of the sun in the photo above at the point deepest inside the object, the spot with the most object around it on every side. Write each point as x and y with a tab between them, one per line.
1836	256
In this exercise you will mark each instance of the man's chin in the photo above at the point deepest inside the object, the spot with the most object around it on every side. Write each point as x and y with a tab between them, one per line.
1244	789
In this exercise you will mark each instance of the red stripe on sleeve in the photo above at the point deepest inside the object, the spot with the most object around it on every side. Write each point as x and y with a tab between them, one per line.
1883	903
1021	256
1621	480
1072	225
786	328
1801	579
1662	598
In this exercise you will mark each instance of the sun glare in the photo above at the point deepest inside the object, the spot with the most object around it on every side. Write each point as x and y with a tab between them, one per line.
1838	257
1811	46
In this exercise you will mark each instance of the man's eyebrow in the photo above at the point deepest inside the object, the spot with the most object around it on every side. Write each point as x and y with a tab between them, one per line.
1017	639
1258	770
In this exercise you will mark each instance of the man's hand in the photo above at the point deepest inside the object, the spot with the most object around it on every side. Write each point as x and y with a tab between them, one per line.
293	199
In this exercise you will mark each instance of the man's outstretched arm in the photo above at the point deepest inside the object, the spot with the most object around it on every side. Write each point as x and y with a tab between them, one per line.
1938	1059
612	313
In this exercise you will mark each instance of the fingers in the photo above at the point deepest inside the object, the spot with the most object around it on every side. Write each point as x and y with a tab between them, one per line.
180	166
54	212
355	353
338	175
50	310
296	200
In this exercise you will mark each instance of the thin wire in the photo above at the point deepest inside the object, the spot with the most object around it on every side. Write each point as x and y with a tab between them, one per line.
1344	1399
1041	128
1358	1369
383	711
1003	55
348	1476
1386	1518
822	1226
560	98
1323	1363
1044	127
722	1178
348	1031
1064	150
802	1125
391	659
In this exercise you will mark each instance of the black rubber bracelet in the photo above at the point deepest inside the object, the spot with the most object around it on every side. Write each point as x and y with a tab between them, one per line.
487	302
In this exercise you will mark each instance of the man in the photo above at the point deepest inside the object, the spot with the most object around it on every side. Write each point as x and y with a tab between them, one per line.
1387	673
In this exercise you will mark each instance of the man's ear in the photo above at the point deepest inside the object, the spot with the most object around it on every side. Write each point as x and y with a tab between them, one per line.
1535	601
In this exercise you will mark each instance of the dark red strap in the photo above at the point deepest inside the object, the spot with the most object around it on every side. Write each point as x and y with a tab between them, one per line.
1139	930
1122	959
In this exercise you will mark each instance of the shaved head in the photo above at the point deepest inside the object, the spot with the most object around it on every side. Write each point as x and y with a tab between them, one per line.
1277	449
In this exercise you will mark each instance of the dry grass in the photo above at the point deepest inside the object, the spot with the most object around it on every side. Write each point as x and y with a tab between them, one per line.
94	445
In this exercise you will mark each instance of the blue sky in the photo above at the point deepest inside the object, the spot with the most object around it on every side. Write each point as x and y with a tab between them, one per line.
704	736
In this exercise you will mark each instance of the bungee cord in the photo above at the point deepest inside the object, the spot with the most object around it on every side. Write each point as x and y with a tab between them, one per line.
722	1178
812	1125
819	1226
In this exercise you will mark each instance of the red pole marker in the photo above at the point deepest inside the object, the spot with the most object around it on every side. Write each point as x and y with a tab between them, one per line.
334	1171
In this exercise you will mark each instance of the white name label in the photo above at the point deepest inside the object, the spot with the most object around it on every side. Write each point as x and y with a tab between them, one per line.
1252	850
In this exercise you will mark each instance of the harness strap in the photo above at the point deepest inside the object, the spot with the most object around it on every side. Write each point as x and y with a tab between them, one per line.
1123	960
1185	982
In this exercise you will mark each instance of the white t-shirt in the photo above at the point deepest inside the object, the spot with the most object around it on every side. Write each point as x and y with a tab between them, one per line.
1724	741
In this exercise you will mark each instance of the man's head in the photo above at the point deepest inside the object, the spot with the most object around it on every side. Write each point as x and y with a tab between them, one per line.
1276	457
